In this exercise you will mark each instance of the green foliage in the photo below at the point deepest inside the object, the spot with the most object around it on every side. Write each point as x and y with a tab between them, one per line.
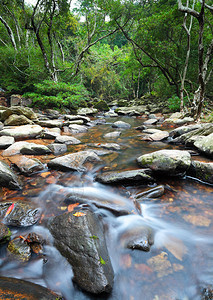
102	261
101	105
174	103
50	94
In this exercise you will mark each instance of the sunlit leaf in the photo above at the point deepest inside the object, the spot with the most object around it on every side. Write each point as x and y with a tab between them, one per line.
9	209
45	174
79	214
72	206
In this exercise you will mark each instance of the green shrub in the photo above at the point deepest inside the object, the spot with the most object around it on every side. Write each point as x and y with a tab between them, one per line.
174	103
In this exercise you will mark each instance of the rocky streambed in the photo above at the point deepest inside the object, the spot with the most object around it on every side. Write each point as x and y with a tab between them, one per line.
114	207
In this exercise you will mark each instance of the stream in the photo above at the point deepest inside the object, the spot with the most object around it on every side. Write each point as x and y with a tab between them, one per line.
180	262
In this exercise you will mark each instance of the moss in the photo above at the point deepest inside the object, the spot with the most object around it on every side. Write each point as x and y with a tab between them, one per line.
101	105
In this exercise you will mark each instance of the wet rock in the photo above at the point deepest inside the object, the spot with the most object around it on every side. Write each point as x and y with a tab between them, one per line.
8	178
74	128
74	161
201	170
81	240
140	237
183	121
17	120
22	132
112	135
50	123
111	114
6	141
27	166
168	162
150	122
13	288
174	117
159	136
5	233
129	177
35	242
205	145
21	215
152	116
207	293
87	111
155	192
121	124
66	139
50	135
141	127
34	149
109	146
183	129
19	249
1	125
76	122
77	117
160	264
151	130
14	149
58	149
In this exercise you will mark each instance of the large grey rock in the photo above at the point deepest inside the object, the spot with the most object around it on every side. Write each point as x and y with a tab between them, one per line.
205	144
22	132
77	117
109	146
138	108
57	149
8	178
6	141
150	122
74	128
50	135
17	120
21	215
26	148
183	129
25	111
4	113
174	117
66	139
14	149
169	162
129	177
27	166
121	124
82	242
73	162
201	170
183	121
157	136
112	135
50	123
87	111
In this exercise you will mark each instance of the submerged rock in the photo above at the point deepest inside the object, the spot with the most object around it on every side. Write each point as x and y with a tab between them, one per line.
129	177
140	238
121	124
19	249
109	146
81	240
74	161
13	288
8	178
169	162
202	171
21	214
155	192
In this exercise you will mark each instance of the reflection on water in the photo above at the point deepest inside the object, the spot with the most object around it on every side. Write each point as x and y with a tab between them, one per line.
179	263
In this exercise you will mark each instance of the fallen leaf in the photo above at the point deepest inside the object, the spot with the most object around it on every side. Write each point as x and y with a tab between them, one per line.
79	214
45	174
51	180
72	206
9	209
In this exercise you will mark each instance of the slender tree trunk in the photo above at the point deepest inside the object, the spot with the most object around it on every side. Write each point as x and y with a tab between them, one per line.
10	32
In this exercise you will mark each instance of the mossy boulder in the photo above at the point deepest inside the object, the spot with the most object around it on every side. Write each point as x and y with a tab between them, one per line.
202	171
205	145
102	105
19	249
5	233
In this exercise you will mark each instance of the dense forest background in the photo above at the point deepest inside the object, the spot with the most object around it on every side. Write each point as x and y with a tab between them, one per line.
109	50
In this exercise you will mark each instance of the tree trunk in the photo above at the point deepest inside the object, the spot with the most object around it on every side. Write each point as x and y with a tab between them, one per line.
10	33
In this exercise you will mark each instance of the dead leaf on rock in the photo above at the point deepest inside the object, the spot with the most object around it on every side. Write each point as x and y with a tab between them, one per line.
197	220
160	264
72	206
45	174
79	214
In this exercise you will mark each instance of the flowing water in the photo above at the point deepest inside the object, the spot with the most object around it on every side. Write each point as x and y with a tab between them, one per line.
180	262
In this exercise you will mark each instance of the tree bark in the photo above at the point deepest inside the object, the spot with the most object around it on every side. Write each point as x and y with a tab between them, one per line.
10	32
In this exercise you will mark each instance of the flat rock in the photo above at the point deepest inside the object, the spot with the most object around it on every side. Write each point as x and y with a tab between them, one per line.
26	148
22	132
74	161
81	240
27	166
110	114
74	128
13	288
129	177
159	136
121	124
6	141
50	135
138	108
8	178
58	149
201	170
169	162
150	122
183	121
183	129
66	139
112	135
87	111
77	117
50	123
21	215
109	146
205	145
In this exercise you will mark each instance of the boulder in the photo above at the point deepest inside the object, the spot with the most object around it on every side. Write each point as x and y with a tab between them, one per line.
50	135
26	148
201	170
15	99
58	149
150	122
157	136
25	111
22	132
66	139
13	288
19	214
183	129
50	123
27	166
174	117
112	135
74	161
155	192
19	249
17	120
138	108
4	113
110	114
101	105
74	128
108	146
81	240
168	162
6	141
8	178
87	111
205	145
5	233
183	121
121	124
129	177
76	118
